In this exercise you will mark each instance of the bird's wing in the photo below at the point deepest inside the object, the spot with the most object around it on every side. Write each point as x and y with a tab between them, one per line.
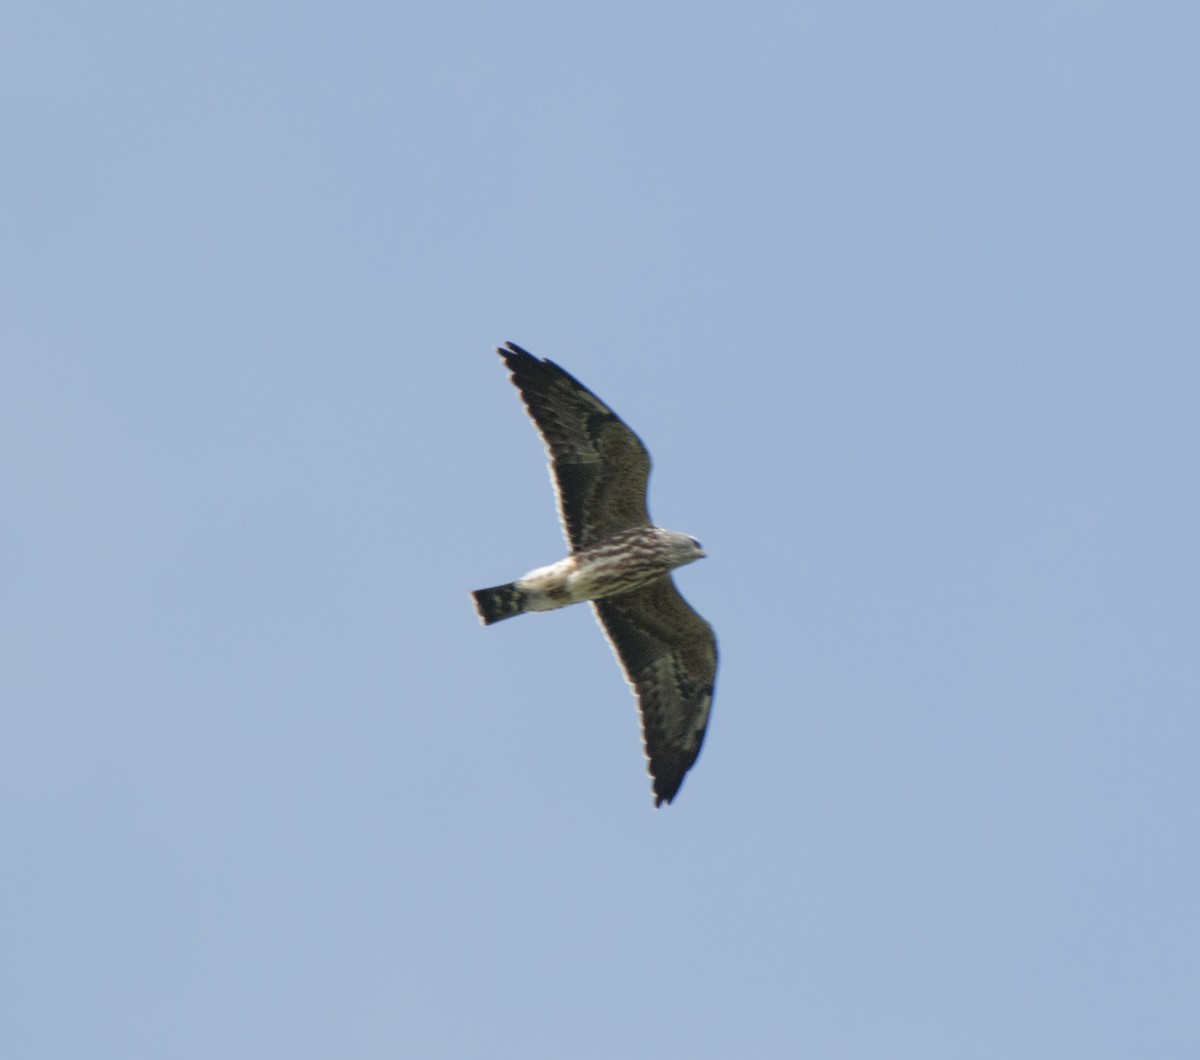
598	465
669	655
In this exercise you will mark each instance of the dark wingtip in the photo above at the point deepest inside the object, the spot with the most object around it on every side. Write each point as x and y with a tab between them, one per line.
665	789
512	350
540	371
522	364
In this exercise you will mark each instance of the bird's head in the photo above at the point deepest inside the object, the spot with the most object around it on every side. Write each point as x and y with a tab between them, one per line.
684	549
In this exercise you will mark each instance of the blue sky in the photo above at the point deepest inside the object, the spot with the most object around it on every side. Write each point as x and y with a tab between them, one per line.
902	298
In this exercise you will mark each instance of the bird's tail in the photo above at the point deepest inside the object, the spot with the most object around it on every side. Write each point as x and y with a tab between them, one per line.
499	602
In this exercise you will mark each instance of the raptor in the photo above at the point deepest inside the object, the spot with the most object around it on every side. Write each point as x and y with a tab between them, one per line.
619	561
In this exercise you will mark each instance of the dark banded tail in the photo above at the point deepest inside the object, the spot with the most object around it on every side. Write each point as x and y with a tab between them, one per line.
499	602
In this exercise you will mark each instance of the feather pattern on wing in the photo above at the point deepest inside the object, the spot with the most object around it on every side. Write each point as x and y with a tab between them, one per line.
599	466
669	655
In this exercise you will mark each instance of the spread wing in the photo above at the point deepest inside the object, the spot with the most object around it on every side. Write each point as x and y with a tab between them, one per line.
599	466
669	655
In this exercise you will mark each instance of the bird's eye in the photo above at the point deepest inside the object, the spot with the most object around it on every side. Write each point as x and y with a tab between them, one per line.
697	544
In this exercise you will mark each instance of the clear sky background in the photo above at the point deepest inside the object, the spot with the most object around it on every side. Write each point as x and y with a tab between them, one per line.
904	300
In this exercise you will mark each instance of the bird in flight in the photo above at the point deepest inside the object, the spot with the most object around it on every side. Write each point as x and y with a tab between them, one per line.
619	561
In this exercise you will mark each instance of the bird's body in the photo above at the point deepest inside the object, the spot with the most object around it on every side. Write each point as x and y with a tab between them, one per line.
619	561
618	564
